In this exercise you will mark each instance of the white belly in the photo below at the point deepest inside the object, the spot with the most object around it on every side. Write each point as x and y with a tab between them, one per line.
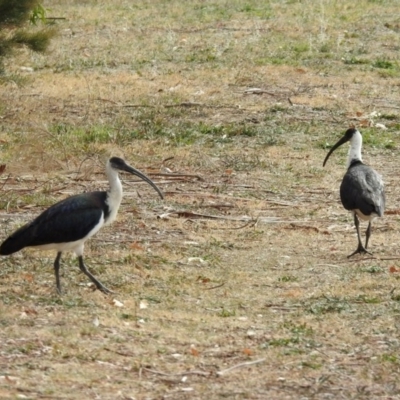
76	246
365	217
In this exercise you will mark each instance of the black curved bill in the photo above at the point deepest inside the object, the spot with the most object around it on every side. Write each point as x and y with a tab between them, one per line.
128	168
347	137
344	139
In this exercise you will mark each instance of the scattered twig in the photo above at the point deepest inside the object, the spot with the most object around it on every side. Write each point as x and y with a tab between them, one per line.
217	206
239	227
136	105
326	265
121	353
193	215
284	308
245	364
186	104
258	91
200	178
107	100
305	227
215	287
281	203
205	194
193	372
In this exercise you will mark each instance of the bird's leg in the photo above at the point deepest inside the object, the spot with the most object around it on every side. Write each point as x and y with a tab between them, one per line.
98	284
367	234
360	249
57	271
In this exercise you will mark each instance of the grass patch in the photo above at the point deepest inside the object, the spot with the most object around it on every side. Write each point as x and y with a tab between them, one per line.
328	305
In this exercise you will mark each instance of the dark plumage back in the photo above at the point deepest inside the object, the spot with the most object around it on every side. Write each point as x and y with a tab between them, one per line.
362	188
66	221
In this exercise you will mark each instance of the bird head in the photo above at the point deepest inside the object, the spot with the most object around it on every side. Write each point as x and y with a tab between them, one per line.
349	135
118	164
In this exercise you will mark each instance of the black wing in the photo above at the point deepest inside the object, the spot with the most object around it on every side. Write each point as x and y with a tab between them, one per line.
67	221
362	188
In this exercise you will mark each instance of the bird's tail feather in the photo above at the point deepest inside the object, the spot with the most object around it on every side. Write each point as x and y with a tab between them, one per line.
17	241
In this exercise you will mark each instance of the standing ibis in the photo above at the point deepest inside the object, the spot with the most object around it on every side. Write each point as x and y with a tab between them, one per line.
362	190
67	225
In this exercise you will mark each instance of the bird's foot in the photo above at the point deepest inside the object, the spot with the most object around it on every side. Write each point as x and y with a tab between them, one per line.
360	250
103	289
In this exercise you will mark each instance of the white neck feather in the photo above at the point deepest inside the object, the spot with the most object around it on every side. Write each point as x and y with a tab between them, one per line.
114	193
355	148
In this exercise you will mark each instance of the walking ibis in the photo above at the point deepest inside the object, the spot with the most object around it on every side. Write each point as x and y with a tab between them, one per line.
362	190
67	225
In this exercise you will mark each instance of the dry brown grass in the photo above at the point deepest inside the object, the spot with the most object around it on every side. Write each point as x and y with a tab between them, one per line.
163	84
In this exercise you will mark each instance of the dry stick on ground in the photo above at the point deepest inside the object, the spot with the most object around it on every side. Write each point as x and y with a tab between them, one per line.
245	364
173	175
253	223
258	91
194	372
215	287
192	215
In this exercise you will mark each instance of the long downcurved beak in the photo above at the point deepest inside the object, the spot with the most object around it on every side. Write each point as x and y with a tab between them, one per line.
142	176
344	139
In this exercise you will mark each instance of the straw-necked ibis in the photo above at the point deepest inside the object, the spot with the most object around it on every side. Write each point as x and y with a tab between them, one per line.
362	189
67	225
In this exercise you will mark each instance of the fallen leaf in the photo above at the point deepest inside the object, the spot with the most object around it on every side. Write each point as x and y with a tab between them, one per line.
28	277
203	279
393	212
194	352
136	246
248	352
364	123
30	311
393	269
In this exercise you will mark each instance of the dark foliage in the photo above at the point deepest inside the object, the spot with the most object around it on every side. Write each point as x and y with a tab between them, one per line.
14	29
